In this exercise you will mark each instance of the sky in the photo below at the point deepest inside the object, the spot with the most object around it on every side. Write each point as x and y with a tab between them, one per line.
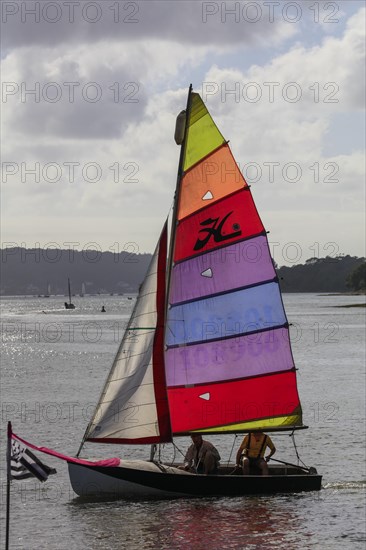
91	91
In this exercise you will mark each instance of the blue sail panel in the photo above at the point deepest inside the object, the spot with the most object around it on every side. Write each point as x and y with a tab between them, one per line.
245	311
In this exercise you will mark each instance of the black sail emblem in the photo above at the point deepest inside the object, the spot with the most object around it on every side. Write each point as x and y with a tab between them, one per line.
215	231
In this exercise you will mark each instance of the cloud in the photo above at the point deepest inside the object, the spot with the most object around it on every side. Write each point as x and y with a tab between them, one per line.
121	154
186	22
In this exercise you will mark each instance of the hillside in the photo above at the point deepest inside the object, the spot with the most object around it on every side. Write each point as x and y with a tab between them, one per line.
319	274
37	271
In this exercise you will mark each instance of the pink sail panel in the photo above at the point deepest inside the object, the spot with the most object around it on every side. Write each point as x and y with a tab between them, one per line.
225	222
240	357
231	402
216	176
238	265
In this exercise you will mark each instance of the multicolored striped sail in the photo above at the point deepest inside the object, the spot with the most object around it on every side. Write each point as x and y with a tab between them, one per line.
228	361
223	362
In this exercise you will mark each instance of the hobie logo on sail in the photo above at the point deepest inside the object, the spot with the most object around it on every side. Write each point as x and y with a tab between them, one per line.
215	231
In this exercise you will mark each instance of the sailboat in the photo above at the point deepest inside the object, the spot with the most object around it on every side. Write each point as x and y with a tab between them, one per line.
48	294
69	305
207	347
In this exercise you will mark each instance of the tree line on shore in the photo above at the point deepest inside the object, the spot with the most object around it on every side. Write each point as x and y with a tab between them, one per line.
43	272
340	274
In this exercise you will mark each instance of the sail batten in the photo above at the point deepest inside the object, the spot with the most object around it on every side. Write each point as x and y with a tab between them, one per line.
229	337
234	378
223	292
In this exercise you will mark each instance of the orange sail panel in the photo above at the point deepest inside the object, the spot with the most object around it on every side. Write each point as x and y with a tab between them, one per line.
232	219
209	181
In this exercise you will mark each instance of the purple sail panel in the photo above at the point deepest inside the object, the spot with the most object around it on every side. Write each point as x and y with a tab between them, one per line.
250	310
241	264
240	357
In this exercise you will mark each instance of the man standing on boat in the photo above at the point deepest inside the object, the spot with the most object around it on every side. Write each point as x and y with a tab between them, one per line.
201	456
251	452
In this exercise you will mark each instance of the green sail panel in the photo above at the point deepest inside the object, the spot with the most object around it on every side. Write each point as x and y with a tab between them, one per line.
203	135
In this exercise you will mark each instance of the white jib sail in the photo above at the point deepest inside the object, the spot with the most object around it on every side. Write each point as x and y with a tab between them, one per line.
127	407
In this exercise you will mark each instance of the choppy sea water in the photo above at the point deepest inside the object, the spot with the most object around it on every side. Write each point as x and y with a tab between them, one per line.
53	366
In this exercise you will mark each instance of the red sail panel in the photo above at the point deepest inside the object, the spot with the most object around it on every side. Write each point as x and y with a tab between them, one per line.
209	406
231	219
209	181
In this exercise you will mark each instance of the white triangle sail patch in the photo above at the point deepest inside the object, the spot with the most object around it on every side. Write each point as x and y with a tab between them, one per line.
207	196
207	273
205	396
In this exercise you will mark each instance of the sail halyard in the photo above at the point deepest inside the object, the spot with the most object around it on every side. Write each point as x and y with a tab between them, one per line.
229	364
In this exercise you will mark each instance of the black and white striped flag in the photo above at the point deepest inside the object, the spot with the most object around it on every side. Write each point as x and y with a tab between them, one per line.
24	464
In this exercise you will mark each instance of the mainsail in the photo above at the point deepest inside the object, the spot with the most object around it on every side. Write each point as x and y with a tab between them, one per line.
228	362
207	348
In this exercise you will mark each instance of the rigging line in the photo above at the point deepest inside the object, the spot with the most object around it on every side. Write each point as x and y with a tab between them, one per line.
178	449
232	448
144	328
292	435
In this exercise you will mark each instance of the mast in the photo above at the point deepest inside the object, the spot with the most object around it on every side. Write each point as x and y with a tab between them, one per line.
176	195
69	287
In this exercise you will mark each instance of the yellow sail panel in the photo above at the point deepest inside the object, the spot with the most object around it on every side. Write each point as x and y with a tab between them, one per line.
263	424
208	181
203	136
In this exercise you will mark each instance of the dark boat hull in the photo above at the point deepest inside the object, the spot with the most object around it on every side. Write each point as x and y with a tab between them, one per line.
165	482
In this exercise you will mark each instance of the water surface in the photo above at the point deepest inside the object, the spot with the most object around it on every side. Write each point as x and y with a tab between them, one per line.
54	363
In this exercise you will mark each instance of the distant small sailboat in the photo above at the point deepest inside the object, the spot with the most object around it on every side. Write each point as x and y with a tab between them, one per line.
69	305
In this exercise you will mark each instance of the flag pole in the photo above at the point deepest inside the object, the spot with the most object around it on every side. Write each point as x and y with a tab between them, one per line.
8	458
